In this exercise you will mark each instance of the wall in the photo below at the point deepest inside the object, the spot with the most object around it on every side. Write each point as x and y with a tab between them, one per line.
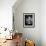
6	13
28	6
43	22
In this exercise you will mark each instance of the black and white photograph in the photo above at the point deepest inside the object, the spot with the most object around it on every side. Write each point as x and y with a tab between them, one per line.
29	20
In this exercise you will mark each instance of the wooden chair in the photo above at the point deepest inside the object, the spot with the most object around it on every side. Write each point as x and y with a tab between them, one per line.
18	39
29	43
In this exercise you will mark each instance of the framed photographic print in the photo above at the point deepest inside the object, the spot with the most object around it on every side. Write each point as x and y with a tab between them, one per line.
29	20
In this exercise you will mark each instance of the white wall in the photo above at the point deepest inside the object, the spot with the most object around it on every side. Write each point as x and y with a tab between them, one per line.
6	13
28	6
43	22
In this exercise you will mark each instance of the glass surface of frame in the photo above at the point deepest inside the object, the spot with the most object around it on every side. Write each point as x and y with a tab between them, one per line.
29	20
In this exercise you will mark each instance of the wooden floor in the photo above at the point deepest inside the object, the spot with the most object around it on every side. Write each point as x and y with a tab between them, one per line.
9	43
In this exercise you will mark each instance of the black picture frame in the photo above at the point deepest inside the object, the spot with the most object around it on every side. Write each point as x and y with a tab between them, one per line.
29	20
